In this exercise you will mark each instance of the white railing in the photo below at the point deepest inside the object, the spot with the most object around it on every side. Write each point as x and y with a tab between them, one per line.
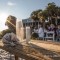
48	35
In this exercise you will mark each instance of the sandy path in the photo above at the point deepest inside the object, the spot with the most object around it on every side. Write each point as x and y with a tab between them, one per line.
47	48
47	45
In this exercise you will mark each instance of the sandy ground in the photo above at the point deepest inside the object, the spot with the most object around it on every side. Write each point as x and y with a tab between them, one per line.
5	55
53	46
47	48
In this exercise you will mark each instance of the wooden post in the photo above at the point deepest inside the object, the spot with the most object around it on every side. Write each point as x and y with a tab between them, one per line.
16	57
28	35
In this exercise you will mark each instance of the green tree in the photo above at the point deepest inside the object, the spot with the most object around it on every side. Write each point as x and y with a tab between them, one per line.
34	15
51	13
11	23
42	16
52	9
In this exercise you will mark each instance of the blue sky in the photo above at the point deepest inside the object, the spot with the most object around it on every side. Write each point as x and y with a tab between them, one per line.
21	8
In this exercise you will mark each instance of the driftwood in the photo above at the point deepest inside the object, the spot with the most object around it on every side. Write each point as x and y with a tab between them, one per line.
23	51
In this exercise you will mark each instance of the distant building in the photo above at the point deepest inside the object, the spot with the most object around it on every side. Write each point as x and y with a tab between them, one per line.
30	22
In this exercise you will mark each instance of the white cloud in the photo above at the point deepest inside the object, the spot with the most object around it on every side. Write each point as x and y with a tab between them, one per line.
11	4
